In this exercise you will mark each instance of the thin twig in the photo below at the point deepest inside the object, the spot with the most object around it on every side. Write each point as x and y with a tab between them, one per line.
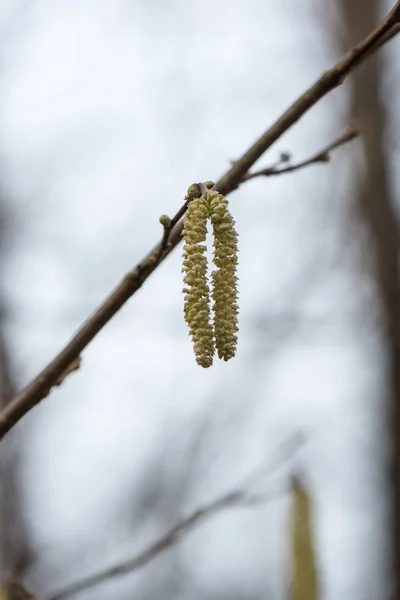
42	384
239	497
322	156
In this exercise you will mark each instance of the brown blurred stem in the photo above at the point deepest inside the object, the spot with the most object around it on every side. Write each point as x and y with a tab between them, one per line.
42	384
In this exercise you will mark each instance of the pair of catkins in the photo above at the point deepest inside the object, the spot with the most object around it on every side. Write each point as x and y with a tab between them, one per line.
219	333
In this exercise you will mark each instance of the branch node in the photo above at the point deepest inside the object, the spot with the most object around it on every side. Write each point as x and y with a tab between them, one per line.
73	366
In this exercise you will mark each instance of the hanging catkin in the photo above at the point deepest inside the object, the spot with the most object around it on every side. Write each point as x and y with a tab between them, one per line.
201	206
224	294
196	290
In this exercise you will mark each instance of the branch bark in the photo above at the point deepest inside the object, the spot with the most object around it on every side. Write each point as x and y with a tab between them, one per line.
42	384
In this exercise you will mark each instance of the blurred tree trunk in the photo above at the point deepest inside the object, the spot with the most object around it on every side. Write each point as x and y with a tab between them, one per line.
303	579
6	390
15	553
376	209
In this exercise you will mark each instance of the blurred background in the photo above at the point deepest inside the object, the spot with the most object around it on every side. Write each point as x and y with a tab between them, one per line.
109	110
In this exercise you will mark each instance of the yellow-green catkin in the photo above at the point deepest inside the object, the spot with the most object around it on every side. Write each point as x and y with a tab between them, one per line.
196	290
224	294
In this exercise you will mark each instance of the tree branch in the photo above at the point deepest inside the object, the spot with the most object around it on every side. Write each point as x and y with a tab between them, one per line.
42	384
239	497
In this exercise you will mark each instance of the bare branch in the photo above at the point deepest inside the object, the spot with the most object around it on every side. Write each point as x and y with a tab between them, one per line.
42	384
239	497
323	156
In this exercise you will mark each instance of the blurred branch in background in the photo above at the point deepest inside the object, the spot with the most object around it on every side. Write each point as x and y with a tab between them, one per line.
375	206
241	497
42	384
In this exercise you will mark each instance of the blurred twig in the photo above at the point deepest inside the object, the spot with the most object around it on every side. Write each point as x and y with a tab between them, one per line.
42	384
239	497
235	499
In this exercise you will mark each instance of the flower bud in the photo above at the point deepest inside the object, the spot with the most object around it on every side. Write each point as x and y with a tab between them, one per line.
193	191
165	221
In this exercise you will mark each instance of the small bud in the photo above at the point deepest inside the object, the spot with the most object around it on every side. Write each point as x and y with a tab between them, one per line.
209	184
193	191
165	221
